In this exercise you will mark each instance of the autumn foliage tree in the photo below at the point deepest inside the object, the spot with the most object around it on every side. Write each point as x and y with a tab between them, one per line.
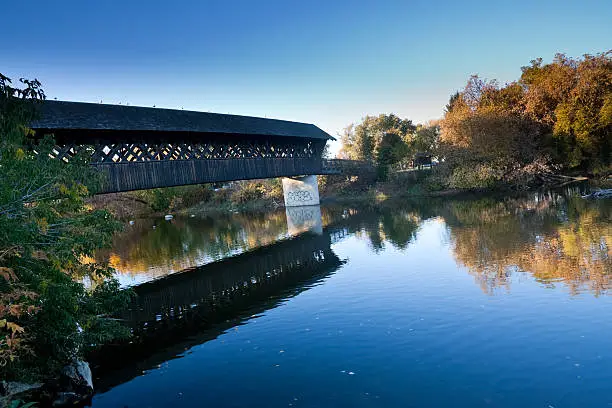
556	114
47	234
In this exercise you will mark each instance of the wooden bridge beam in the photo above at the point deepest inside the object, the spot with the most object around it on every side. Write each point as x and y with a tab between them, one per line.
130	176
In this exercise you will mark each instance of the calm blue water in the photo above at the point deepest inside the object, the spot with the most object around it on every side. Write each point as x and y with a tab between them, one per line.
458	303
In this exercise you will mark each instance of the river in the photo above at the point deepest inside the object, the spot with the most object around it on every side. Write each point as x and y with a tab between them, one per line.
472	302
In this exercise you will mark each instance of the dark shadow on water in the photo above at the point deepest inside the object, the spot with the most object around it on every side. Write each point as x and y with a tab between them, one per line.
172	314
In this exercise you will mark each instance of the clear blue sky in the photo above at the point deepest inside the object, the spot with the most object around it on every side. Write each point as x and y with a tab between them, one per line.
325	62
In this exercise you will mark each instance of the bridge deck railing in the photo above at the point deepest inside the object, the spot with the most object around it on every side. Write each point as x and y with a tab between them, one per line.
342	166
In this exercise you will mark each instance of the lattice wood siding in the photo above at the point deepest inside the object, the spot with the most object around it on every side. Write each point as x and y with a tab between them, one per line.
137	152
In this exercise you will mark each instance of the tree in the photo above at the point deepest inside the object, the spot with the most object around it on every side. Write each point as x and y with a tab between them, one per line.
426	138
451	102
350	148
363	141
327	154
392	149
584	117
573	99
557	114
47	234
484	138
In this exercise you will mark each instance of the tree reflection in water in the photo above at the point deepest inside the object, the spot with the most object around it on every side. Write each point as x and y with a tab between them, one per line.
152	248
554	236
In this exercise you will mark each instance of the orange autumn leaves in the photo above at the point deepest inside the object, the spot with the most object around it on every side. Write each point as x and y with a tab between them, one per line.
14	306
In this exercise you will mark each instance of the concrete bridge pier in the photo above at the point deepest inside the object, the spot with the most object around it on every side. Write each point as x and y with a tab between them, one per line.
301	191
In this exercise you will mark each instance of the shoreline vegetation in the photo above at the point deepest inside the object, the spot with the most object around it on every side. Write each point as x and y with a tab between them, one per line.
551	126
203	200
554	121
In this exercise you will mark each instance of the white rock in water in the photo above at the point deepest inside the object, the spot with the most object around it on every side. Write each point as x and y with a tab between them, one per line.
79	375
168	217
84	372
76	384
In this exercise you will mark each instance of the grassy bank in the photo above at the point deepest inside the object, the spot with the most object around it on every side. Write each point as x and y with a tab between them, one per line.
261	195
238	196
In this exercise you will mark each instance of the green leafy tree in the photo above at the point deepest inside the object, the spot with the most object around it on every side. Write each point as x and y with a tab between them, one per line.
47	237
364	140
391	150
426	138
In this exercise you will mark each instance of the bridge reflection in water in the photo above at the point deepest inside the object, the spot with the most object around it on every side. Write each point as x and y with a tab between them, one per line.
184	309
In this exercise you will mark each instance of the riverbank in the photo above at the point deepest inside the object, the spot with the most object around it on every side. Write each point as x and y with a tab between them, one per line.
263	195
418	185
127	206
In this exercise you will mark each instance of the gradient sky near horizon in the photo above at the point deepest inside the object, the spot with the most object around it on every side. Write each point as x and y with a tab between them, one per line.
323	62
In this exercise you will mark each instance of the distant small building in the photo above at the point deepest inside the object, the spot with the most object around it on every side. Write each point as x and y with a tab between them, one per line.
421	159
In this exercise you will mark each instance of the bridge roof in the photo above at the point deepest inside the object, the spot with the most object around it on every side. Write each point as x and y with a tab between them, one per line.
64	115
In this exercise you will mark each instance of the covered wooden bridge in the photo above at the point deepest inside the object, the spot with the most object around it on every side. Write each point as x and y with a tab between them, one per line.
142	148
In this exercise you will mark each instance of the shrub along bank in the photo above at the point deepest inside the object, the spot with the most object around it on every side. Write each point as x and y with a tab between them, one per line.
48	236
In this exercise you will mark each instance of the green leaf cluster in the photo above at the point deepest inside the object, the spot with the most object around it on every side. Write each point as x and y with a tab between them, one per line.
365	140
